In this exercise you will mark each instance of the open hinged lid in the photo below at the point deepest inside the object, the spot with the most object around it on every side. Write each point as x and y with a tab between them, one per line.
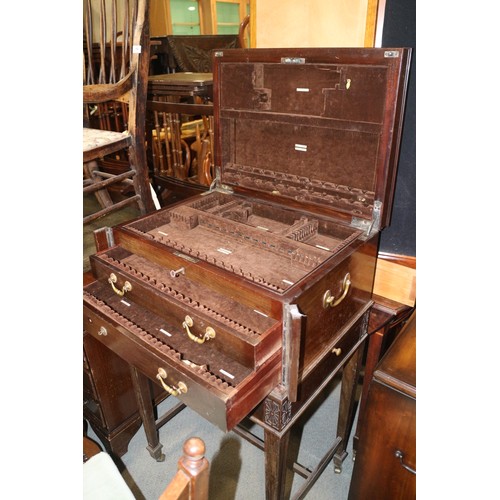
316	128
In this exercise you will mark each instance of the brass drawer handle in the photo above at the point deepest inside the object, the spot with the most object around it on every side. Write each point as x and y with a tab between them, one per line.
127	287
173	391
337	351
329	299
209	332
399	454
102	331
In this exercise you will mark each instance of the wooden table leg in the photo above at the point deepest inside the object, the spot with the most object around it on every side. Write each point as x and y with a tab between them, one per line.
372	357
276	452
347	405
146	410
386	319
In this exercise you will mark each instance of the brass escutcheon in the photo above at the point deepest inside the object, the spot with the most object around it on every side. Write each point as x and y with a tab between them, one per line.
127	287
209	332
329	299
173	391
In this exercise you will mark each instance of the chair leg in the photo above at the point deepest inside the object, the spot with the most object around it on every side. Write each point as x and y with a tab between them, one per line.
142	186
102	195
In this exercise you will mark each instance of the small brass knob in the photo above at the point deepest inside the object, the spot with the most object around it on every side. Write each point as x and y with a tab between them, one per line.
337	351
102	331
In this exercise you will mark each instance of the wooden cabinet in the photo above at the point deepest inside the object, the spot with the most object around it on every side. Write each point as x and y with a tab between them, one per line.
246	300
385	466
108	397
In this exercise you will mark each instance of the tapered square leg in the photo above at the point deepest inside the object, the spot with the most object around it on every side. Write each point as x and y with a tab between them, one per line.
146	410
276	452
347	407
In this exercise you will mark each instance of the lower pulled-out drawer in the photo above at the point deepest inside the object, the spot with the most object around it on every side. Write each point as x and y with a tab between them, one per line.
218	387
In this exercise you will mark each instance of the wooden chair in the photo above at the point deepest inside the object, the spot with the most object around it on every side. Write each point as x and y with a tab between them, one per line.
116	62
171	154
101	476
191	480
243	37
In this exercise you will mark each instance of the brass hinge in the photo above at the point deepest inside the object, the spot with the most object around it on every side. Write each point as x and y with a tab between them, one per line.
293	329
218	186
369	225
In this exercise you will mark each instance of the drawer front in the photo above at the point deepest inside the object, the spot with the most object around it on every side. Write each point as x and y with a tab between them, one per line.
336	300
386	460
280	412
344	345
333	357
220	402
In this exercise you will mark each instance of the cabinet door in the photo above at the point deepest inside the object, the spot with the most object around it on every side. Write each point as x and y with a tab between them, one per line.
390	427
112	383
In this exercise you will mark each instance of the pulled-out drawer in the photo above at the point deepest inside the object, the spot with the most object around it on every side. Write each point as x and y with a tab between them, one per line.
203	316
208	379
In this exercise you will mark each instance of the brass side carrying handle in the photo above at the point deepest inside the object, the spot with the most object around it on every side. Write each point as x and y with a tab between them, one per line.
127	287
173	391
209	332
329	299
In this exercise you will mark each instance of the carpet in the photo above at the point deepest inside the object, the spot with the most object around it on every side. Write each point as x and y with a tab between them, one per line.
236	466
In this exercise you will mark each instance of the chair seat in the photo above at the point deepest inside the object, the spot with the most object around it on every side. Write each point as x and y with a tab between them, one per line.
97	143
102	480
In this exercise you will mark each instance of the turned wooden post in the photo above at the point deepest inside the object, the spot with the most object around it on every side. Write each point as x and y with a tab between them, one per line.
191	480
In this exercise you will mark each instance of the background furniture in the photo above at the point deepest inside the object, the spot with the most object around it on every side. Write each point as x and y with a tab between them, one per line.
191	480
116	62
385	465
192	53
102	478
387	317
180	131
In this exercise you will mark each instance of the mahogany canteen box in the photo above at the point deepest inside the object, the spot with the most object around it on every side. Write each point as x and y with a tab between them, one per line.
266	279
